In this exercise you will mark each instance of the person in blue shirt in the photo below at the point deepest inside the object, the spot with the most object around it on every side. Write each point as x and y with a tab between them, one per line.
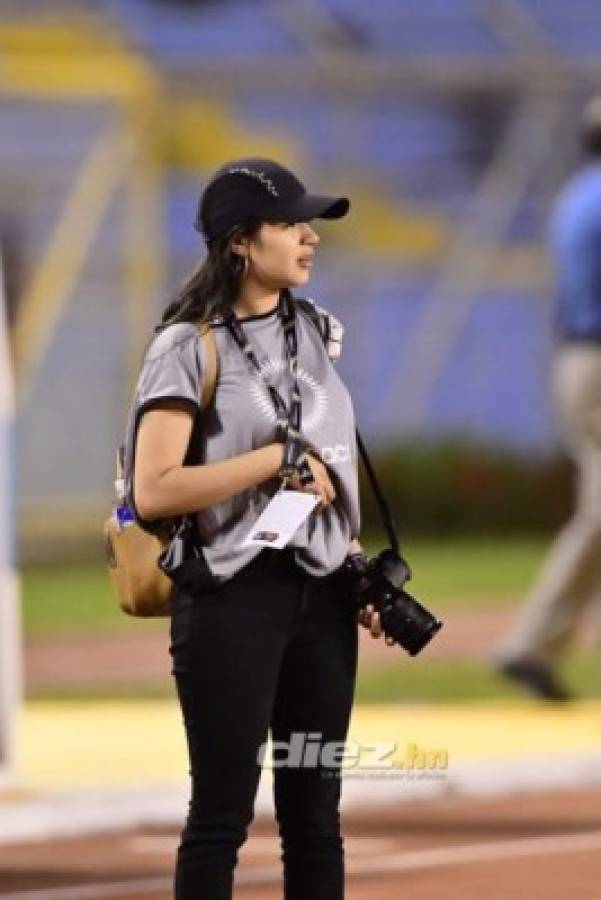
570	579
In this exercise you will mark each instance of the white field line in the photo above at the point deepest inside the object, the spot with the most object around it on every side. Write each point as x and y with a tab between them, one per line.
405	861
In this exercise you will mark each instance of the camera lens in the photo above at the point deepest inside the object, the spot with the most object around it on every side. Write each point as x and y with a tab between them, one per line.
411	625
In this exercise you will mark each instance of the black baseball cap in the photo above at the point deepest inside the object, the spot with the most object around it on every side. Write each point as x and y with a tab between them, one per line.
260	189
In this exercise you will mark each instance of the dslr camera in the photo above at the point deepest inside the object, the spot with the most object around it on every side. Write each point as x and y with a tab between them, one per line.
379	581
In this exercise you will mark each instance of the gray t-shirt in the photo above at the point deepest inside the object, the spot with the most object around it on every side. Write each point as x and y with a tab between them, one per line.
241	417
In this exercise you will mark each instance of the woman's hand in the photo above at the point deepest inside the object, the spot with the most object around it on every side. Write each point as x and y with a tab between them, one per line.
369	618
321	484
366	615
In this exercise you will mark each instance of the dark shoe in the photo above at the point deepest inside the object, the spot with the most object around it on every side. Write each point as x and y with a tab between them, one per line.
536	678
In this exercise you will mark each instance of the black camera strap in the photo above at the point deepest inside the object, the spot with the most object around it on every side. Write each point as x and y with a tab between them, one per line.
323	327
383	508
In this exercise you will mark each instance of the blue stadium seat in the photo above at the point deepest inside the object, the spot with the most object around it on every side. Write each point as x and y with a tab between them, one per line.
176	33
495	383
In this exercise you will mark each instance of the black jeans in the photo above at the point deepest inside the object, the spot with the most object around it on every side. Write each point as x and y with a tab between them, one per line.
273	647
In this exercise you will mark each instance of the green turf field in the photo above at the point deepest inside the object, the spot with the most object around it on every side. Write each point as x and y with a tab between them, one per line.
422	680
463	573
403	680
460	574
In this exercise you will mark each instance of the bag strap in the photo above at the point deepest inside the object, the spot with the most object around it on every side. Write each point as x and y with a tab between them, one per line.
323	327
210	380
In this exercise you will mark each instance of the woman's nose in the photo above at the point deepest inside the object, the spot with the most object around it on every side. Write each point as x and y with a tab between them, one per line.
310	236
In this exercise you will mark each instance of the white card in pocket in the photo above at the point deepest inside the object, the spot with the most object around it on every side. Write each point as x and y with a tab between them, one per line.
280	519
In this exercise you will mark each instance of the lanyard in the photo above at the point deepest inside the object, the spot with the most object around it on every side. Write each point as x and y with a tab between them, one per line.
289	420
385	513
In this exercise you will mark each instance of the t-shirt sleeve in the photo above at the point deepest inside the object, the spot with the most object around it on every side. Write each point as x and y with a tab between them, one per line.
172	370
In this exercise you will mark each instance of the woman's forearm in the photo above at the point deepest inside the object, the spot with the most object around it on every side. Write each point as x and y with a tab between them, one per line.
187	489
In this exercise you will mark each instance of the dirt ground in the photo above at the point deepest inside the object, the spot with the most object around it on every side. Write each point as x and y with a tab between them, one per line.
138	658
531	846
543	845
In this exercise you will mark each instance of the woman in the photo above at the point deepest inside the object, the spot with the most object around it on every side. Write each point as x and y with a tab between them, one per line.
268	640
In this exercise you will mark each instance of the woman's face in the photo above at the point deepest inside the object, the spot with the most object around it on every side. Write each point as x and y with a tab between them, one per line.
281	254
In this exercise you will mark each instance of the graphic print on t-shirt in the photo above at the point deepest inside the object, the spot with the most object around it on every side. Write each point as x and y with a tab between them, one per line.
314	411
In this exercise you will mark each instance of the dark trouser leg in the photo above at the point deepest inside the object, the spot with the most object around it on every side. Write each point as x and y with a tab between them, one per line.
315	695
227	647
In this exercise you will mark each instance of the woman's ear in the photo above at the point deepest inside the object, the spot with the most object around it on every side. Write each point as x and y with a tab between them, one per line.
240	246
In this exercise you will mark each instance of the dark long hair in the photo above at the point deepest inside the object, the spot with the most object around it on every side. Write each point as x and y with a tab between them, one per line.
215	286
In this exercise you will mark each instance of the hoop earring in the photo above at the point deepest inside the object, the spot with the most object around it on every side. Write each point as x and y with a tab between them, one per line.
241	263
